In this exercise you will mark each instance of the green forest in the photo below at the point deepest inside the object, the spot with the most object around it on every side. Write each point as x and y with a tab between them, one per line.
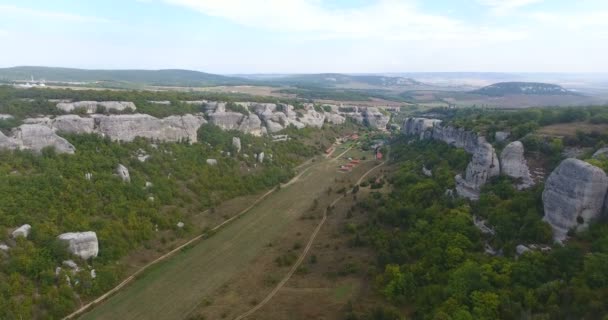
430	259
50	192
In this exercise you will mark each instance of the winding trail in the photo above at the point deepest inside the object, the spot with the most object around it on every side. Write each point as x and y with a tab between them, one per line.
304	253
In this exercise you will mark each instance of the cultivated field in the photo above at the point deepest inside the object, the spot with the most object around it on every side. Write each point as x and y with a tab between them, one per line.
176	287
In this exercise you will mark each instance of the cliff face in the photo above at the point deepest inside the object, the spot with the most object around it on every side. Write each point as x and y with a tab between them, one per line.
484	163
574	195
514	165
35	137
91	106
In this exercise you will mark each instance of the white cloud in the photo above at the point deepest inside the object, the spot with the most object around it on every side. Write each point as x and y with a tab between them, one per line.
505	6
383	19
55	15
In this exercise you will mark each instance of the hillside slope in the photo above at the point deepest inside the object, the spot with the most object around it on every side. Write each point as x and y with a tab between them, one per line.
167	77
512	88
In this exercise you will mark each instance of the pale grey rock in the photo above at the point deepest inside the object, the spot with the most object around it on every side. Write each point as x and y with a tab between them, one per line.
251	124
88	176
142	155
521	249
313	118
427	172
7	143
161	102
375	119
482	167
226	120
574	195
212	162
91	106
601	153
129	126
148	184
273	126
23	231
261	157
421	127
123	173
236	143
70	264
481	225
72	124
5	116
4	247
180	224
195	102
501	136
513	164
82	244
334	118
36	137
93	274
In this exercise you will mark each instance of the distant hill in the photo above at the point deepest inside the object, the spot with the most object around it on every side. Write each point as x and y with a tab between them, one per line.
517	88
168	77
337	79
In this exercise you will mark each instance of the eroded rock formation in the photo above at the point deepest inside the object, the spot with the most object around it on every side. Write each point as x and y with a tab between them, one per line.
35	137
82	244
23	231
513	164
574	195
92	106
123	173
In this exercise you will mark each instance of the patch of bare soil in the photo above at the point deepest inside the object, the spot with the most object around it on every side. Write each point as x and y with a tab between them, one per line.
570	129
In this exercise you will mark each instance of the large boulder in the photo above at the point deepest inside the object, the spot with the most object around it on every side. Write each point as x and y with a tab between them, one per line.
73	124
375	119
313	118
513	164
574	195
251	124
236	143
123	173
82	244
23	231
421	127
91	106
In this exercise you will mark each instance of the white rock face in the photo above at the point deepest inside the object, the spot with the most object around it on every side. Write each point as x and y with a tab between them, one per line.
236	143
513	164
82	244
261	157
334	118
35	137
252	124
574	195
226	120
180	224
482	167
129	126
5	116
72	124
91	106
427	172
313	119
123	173
375	119
212	162
23	231
4	247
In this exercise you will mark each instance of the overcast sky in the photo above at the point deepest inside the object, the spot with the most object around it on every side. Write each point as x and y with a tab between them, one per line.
308	36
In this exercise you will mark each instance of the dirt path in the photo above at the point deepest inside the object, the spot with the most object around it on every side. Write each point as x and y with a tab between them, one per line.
304	253
170	288
178	249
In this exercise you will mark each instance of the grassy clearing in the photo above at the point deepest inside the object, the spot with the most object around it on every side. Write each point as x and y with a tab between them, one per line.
172	289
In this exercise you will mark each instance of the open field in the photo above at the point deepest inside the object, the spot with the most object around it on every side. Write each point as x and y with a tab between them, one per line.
570	129
172	289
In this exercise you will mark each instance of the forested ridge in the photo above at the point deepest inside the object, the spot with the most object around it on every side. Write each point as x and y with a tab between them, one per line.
431	260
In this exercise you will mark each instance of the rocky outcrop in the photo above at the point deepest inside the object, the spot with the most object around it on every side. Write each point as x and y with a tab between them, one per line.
484	163
35	137
482	167
92	106
313	119
601	153
236	143
375	119
123	173
334	118
5	116
513	164
23	231
212	162
129	126
82	244
253	125
261	157
226	120
574	195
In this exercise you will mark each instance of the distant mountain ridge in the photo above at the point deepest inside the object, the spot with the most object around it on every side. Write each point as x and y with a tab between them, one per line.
166	77
527	88
336	79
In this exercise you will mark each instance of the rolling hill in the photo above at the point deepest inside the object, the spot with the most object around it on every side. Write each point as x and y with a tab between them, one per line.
167	77
527	88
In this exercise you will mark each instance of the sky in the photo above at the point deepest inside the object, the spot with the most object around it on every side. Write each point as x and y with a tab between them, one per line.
308	36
